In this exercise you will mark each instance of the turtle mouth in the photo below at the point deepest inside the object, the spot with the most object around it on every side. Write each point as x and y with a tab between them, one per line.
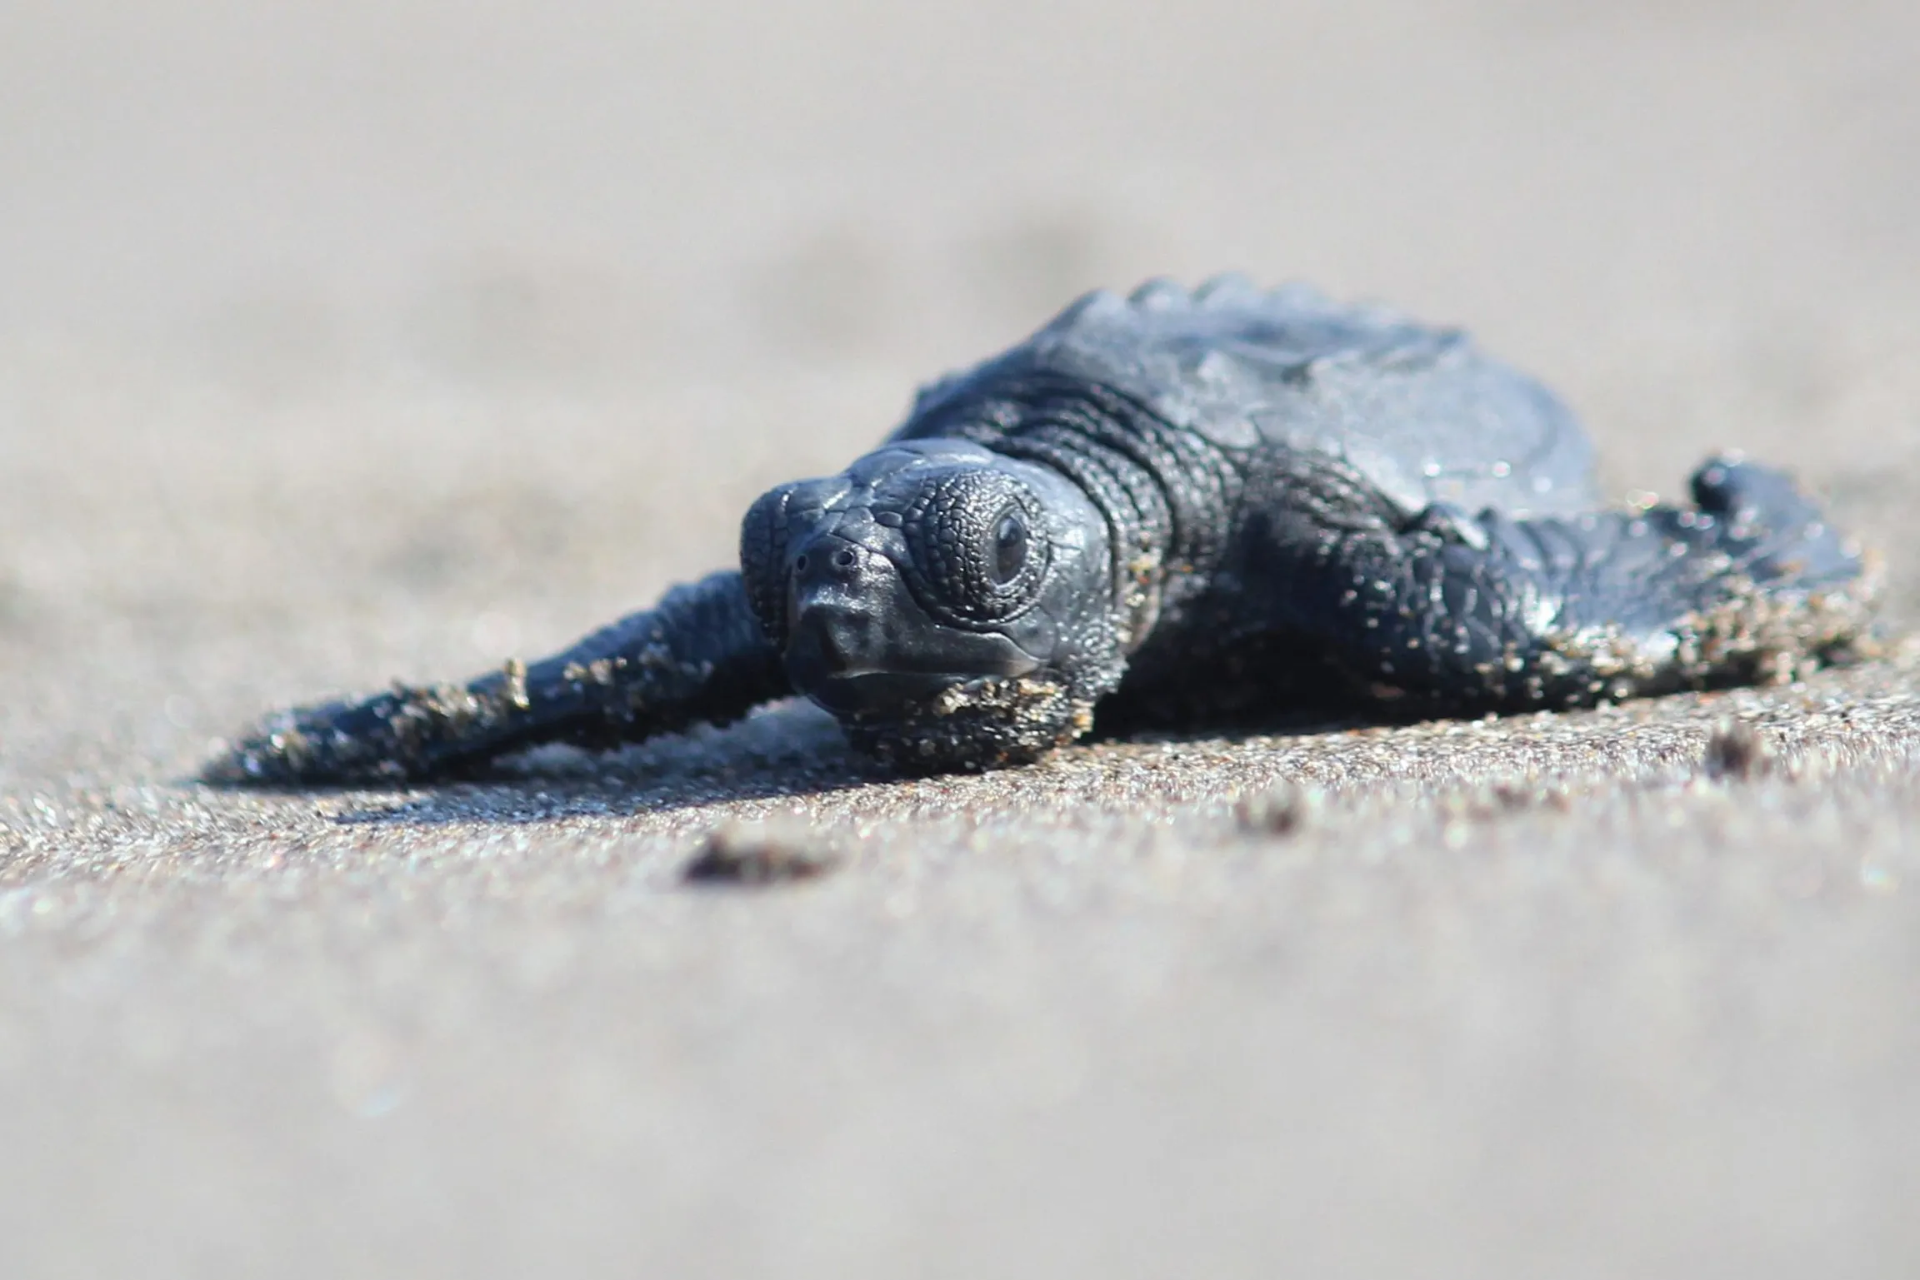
865	692
858	643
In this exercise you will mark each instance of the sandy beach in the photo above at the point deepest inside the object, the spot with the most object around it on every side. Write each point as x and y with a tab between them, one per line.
346	343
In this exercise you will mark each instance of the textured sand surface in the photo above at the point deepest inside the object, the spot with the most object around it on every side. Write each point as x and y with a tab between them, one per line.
350	342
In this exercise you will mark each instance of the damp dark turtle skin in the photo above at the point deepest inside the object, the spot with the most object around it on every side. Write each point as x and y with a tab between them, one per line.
1186	506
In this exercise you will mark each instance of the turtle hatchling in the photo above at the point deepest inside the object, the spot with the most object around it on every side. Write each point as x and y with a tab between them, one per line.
1177	507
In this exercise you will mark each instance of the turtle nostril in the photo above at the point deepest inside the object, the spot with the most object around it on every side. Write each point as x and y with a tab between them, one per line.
826	561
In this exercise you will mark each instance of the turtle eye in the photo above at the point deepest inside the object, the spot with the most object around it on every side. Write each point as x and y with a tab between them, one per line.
975	557
1009	548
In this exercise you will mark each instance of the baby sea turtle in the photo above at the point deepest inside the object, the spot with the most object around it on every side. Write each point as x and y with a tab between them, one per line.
1178	505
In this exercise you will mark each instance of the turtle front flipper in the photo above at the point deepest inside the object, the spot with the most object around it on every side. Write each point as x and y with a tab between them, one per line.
1450	612
698	656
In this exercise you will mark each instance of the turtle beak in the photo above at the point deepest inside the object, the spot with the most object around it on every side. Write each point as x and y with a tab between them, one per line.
858	641
839	595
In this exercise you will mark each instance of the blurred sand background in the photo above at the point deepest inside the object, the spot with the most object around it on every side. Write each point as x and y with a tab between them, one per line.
347	341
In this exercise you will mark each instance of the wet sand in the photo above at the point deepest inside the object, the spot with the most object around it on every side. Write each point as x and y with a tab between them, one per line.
338	401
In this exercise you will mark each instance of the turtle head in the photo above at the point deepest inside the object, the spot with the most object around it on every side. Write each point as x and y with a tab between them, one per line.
953	608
